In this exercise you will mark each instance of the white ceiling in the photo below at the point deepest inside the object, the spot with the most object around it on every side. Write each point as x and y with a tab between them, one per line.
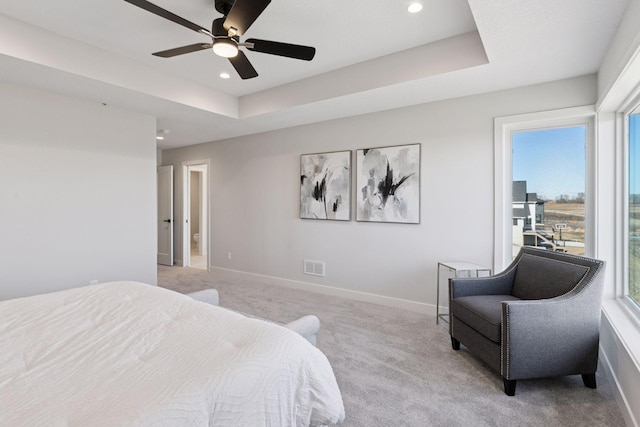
372	55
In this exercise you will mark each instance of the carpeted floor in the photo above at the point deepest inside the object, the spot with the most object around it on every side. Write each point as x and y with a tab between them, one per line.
397	368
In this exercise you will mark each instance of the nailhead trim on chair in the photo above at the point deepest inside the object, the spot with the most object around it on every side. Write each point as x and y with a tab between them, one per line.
504	342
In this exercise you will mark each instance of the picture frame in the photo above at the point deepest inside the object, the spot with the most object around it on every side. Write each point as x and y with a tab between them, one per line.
388	184
325	186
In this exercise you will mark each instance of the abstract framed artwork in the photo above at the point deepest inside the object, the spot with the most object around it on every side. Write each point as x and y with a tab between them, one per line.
325	186
388	184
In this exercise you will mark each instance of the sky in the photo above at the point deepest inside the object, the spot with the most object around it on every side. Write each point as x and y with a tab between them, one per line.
552	161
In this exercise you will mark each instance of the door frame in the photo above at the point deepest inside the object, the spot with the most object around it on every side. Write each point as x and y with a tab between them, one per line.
161	170
187	166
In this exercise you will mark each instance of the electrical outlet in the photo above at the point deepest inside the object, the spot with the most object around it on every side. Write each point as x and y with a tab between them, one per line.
229	256
93	282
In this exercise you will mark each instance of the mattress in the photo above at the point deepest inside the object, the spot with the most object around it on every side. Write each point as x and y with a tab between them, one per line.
130	354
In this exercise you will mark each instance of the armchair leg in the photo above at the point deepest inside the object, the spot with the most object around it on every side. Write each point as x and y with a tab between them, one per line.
509	387
589	380
455	343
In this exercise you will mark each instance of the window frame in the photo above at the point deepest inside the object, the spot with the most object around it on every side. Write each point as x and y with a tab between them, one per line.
504	127
630	107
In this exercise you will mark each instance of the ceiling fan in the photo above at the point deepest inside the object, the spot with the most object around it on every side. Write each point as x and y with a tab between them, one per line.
238	15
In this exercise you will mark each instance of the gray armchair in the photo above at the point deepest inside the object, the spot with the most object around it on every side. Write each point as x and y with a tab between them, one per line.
539	318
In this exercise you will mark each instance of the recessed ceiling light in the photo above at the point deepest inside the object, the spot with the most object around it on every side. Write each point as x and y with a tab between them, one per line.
161	133
224	75
414	7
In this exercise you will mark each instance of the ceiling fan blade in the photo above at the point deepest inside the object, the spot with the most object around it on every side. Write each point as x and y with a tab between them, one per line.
295	51
157	10
182	50
242	65
243	14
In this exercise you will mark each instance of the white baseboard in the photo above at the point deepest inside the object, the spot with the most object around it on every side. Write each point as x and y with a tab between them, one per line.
414	306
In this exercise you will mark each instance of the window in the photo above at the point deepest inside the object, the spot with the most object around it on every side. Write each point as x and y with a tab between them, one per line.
549	189
633	133
544	160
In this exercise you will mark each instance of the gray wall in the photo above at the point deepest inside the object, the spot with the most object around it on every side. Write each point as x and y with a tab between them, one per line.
77	193
255	186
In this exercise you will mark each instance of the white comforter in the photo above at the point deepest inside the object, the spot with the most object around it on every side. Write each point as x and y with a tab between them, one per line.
129	354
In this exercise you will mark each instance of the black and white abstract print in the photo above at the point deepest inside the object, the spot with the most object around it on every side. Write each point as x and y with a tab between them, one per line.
325	186
388	184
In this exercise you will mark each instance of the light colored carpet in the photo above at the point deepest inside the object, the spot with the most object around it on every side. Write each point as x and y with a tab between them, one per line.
397	368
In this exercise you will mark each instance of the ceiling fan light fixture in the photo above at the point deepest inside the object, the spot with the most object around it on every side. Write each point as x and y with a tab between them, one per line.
225	48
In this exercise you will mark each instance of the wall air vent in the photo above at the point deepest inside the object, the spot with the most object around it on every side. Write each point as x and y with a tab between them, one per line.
314	268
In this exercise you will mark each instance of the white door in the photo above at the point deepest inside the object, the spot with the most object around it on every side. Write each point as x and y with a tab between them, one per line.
165	215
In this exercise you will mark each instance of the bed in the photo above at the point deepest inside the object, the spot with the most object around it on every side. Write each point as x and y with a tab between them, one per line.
130	354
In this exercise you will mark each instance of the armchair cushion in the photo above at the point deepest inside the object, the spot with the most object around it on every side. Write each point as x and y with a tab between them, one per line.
539	277
483	312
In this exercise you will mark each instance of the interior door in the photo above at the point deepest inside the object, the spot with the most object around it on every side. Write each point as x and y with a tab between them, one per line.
165	215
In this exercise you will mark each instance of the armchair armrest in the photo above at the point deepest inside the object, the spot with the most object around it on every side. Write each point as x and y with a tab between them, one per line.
493	285
563	339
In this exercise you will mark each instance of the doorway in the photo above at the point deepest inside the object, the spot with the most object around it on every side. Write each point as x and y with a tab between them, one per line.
195	245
